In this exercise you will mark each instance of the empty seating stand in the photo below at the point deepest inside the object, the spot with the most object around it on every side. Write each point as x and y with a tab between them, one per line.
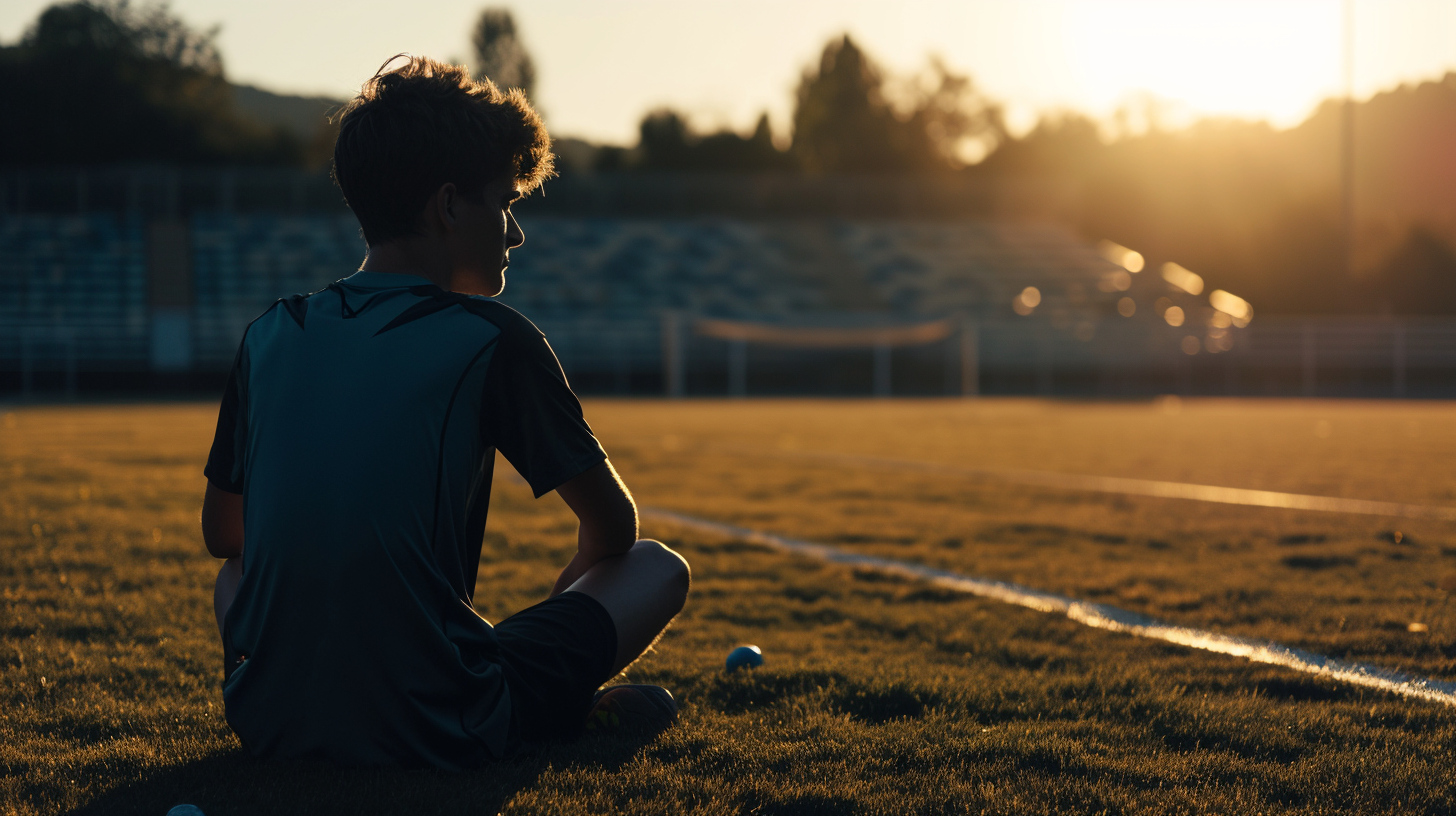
80	291
72	289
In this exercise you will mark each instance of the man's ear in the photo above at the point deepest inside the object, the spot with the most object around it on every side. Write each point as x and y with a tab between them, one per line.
443	209
446	205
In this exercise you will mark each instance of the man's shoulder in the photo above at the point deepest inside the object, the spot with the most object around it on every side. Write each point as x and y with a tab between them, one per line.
292	308
508	320
289	315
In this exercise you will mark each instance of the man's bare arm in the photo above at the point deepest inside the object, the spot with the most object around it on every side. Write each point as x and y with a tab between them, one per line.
608	519
222	522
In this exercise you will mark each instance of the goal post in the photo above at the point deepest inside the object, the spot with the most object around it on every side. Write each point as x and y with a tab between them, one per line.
823	337
970	359
879	340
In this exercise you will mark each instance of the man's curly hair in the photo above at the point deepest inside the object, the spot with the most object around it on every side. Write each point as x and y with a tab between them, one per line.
426	123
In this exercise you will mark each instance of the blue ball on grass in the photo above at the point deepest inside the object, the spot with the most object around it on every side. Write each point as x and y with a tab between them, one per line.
185	810
745	657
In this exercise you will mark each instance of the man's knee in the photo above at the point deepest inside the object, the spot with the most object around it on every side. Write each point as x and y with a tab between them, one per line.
672	568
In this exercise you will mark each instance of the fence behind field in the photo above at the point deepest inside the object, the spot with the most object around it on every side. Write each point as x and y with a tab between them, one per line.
639	355
1330	356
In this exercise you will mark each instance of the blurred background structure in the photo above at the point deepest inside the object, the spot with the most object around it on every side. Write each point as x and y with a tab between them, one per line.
899	239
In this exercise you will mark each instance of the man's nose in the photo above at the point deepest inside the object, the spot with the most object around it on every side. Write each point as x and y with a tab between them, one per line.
515	236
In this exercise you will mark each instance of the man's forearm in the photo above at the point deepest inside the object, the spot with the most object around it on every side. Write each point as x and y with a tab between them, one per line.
592	548
608	519
595	541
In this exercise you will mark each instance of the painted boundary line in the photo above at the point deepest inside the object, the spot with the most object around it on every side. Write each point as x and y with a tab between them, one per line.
1099	616
1150	487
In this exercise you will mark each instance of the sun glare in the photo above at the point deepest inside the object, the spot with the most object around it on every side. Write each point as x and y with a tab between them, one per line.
1272	59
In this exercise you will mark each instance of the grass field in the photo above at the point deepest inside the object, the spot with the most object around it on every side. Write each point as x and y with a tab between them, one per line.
880	695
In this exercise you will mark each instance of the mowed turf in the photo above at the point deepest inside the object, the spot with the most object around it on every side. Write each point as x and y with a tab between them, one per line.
1348	586
879	696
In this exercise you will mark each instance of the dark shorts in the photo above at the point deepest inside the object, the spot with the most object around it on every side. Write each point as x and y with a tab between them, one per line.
555	655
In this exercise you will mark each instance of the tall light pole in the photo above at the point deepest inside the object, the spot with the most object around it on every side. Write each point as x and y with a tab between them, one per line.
1347	145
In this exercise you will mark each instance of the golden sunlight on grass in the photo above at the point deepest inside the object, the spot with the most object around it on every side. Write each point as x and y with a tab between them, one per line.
879	695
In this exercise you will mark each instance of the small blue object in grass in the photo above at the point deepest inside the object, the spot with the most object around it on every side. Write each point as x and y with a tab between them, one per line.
185	810
744	657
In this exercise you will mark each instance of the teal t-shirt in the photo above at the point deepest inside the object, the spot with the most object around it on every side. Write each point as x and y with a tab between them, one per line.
360	425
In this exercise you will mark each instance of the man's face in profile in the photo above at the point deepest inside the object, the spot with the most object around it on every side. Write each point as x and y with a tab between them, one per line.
485	233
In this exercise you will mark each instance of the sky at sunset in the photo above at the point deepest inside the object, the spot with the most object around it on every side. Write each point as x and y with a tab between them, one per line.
602	64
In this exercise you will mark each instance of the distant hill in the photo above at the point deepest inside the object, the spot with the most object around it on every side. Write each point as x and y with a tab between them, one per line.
301	115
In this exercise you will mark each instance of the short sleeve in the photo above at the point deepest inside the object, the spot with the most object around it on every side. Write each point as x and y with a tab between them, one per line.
531	415
225	462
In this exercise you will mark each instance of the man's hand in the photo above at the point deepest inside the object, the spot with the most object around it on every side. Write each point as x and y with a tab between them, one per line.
608	519
222	522
573	571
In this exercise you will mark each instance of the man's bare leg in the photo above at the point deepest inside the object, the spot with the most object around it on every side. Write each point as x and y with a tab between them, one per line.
643	590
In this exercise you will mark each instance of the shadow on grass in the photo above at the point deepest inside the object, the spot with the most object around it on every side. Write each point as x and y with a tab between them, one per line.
233	783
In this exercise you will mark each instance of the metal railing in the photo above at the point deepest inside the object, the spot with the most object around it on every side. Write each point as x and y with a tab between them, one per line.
635	354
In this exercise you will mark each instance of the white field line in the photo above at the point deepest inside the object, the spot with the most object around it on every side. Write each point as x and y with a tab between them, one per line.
1150	487
1099	616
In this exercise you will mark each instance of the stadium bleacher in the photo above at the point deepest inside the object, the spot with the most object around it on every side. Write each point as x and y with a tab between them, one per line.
584	279
73	286
776	269
74	292
580	276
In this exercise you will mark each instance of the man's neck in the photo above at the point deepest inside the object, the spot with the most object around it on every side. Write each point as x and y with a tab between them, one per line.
406	258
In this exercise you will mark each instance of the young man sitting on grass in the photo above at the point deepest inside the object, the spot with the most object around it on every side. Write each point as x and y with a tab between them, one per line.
351	471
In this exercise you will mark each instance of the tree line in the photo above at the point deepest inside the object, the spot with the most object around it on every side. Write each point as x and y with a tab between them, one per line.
103	82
